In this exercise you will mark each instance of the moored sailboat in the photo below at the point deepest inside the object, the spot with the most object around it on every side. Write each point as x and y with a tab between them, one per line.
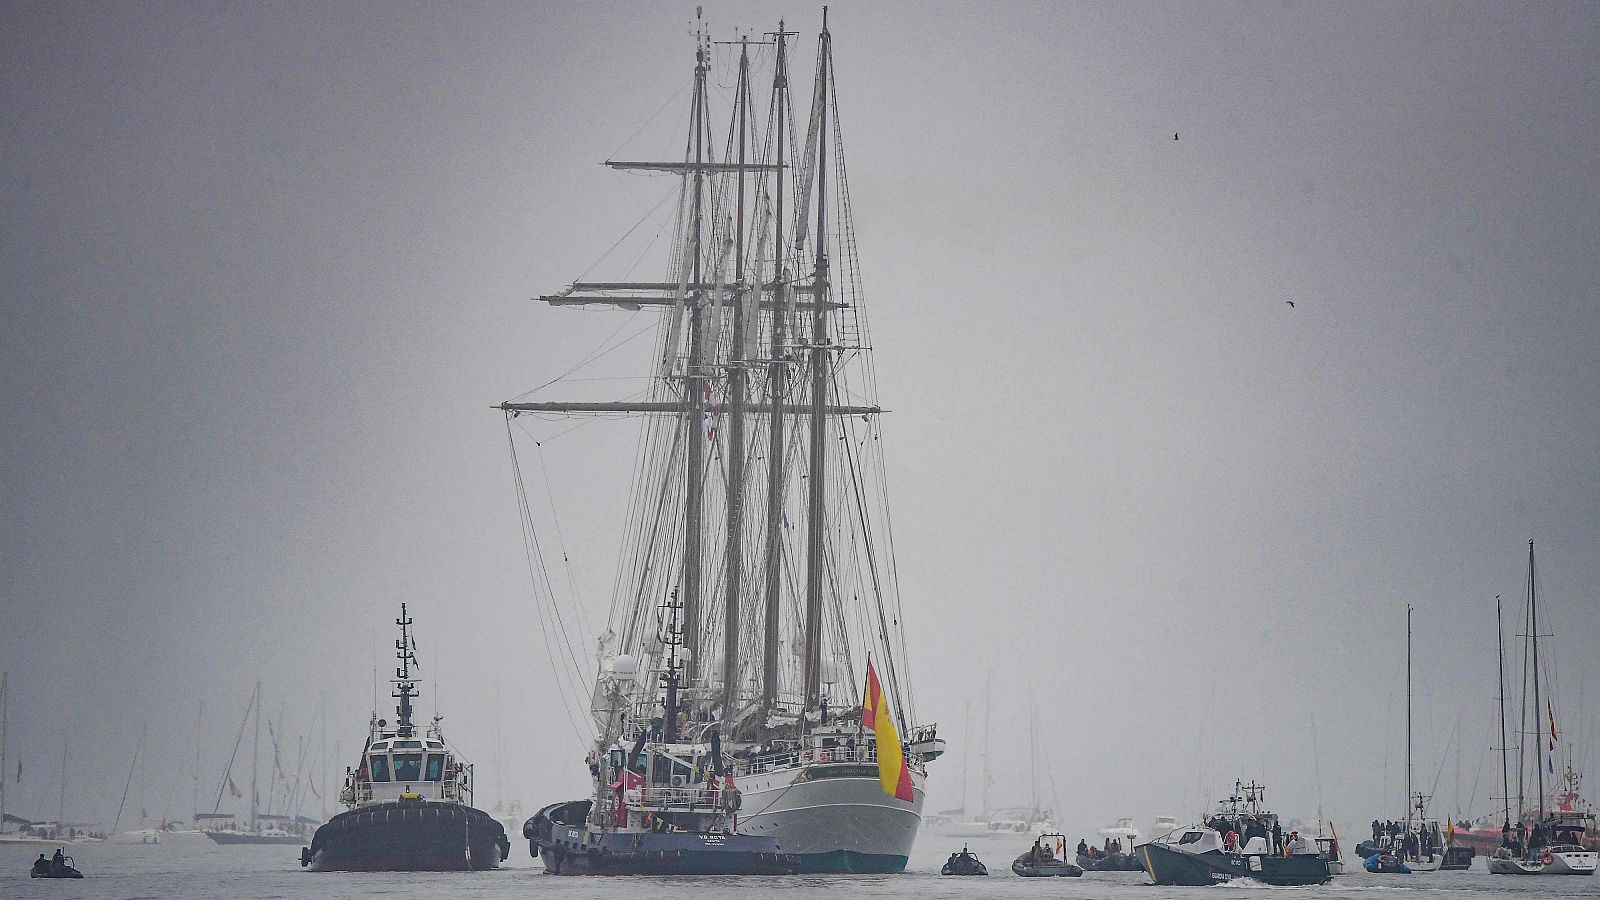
1414	841
762	386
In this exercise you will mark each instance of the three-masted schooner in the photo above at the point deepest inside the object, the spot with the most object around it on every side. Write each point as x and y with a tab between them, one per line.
756	610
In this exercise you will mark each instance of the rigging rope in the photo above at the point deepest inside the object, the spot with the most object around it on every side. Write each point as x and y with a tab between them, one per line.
535	560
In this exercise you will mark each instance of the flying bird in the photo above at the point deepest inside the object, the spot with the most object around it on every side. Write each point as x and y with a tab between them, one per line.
1290	302
1174	135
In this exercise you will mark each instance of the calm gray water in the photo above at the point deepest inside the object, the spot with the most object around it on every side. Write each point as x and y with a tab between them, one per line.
173	872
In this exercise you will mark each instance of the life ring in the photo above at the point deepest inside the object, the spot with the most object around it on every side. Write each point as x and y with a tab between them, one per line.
1547	858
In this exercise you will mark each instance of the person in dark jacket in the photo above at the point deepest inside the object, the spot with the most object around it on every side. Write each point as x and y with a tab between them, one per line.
41	866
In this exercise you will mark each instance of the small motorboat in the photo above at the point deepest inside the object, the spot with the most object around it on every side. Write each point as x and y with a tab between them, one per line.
963	863
1386	864
53	869
1046	859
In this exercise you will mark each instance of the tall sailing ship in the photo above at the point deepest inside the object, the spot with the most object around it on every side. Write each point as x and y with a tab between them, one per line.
757	607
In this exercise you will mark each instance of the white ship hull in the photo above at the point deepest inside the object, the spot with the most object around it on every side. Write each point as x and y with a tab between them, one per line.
834	824
1510	865
1572	862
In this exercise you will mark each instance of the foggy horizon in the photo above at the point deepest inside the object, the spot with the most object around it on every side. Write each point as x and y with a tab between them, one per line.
268	270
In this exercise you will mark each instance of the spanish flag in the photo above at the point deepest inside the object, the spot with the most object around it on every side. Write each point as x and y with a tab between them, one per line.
892	771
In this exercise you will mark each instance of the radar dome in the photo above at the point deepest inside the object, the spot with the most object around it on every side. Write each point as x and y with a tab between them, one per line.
624	668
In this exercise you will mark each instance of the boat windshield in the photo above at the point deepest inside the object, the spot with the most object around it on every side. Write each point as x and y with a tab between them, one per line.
435	767
380	767
408	767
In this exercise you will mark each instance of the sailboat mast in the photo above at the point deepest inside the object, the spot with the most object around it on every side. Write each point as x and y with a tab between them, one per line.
61	808
322	748
966	748
988	710
255	757
736	401
1408	722
819	395
1505	748
776	375
695	381
5	712
194	776
1538	707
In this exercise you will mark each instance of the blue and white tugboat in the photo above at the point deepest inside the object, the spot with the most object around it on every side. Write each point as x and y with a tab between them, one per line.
409	800
666	805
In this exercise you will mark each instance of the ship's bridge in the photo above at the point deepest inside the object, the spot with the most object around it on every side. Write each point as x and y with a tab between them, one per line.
397	767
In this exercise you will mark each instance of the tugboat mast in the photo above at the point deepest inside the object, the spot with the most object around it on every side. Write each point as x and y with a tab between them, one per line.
405	685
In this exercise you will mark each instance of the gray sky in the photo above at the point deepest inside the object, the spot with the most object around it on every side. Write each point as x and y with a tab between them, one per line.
265	268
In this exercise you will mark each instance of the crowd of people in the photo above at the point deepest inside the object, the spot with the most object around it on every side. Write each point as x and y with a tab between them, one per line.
1113	847
1238	833
1423	841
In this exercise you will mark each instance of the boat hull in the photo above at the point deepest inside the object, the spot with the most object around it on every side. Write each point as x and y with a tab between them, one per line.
1174	867
834	817
245	837
1572	862
1119	862
1511	865
408	837
570	849
1058	868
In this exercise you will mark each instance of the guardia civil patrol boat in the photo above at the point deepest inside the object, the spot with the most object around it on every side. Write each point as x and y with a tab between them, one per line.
1233	843
409	800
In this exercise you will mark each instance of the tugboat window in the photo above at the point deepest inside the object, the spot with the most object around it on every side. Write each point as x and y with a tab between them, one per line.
408	767
435	767
380	767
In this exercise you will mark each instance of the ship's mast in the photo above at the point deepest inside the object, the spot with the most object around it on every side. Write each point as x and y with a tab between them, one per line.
1407	833
1538	707
405	685
671	676
255	757
695	377
815	548
777	372
5	700
737	381
1505	748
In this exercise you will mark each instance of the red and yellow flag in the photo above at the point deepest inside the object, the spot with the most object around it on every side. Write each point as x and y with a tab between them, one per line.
892	771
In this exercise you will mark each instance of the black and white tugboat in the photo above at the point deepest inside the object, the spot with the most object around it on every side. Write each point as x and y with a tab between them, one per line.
666	805
1237	842
409	800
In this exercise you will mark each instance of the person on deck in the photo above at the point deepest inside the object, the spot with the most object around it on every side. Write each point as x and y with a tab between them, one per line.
1083	847
41	866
